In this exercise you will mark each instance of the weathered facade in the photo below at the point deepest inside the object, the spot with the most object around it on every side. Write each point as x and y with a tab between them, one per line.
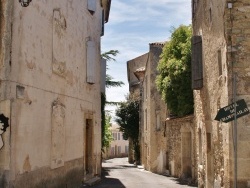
135	74
50	91
154	114
118	146
181	154
221	53
167	144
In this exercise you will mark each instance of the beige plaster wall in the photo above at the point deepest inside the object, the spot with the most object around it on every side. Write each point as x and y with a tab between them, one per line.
44	77
153	142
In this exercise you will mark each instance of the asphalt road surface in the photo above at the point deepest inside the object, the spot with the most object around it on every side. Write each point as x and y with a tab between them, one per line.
118	173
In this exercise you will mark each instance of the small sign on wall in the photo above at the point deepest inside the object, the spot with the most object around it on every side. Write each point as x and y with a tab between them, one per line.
227	113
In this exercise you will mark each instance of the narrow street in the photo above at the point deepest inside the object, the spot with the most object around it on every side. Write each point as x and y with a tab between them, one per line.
118	173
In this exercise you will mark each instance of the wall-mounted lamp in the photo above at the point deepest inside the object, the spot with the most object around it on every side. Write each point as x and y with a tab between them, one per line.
25	3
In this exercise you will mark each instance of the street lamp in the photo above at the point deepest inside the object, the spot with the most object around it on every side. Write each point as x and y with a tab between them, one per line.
25	3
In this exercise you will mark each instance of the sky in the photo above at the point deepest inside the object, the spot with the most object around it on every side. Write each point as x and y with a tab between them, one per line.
132	26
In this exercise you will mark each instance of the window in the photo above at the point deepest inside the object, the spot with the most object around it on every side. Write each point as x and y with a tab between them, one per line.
118	136
112	151
210	16
197	68
20	92
102	23
146	88
158	120
91	62
114	136
119	150
219	62
126	149
146	122
194	6
103	74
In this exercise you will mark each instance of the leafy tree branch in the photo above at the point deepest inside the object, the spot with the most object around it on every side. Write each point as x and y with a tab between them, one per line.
174	79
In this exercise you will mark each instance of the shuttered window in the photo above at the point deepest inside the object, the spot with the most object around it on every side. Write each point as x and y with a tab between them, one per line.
102	23
194	6
103	74
91	62
197	68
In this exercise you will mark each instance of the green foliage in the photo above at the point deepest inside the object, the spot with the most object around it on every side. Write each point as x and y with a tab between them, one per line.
109	56
107	137
174	79
128	119
111	83
106	134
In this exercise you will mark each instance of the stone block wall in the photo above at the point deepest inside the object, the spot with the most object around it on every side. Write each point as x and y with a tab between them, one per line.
223	26
181	148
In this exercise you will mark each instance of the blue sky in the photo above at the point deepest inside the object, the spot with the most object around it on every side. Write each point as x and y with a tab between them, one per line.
133	24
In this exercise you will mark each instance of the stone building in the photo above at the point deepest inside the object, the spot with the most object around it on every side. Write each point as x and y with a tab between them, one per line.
154	112
220	61
167	144
135	74
181	157
50	92
118	146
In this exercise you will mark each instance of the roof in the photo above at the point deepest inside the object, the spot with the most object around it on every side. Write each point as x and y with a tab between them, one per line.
157	43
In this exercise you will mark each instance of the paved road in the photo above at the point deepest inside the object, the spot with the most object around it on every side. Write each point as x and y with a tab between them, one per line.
118	173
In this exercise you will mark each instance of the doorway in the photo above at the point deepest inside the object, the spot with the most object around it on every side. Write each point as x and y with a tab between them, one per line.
187	154
88	147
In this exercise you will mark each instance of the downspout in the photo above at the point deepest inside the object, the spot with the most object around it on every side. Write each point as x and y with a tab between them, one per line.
235	131
234	85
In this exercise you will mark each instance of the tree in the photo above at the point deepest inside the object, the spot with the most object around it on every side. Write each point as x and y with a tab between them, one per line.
109	56
128	119
106	135
107	132
174	79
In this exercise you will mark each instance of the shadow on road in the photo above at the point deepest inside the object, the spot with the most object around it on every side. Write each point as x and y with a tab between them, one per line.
106	181
187	182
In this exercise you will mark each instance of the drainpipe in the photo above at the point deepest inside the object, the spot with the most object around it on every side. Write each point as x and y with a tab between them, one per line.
234	77
235	131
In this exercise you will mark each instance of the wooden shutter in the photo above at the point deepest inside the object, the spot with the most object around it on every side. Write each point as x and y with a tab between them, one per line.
197	68
103	74
91	62
102	23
